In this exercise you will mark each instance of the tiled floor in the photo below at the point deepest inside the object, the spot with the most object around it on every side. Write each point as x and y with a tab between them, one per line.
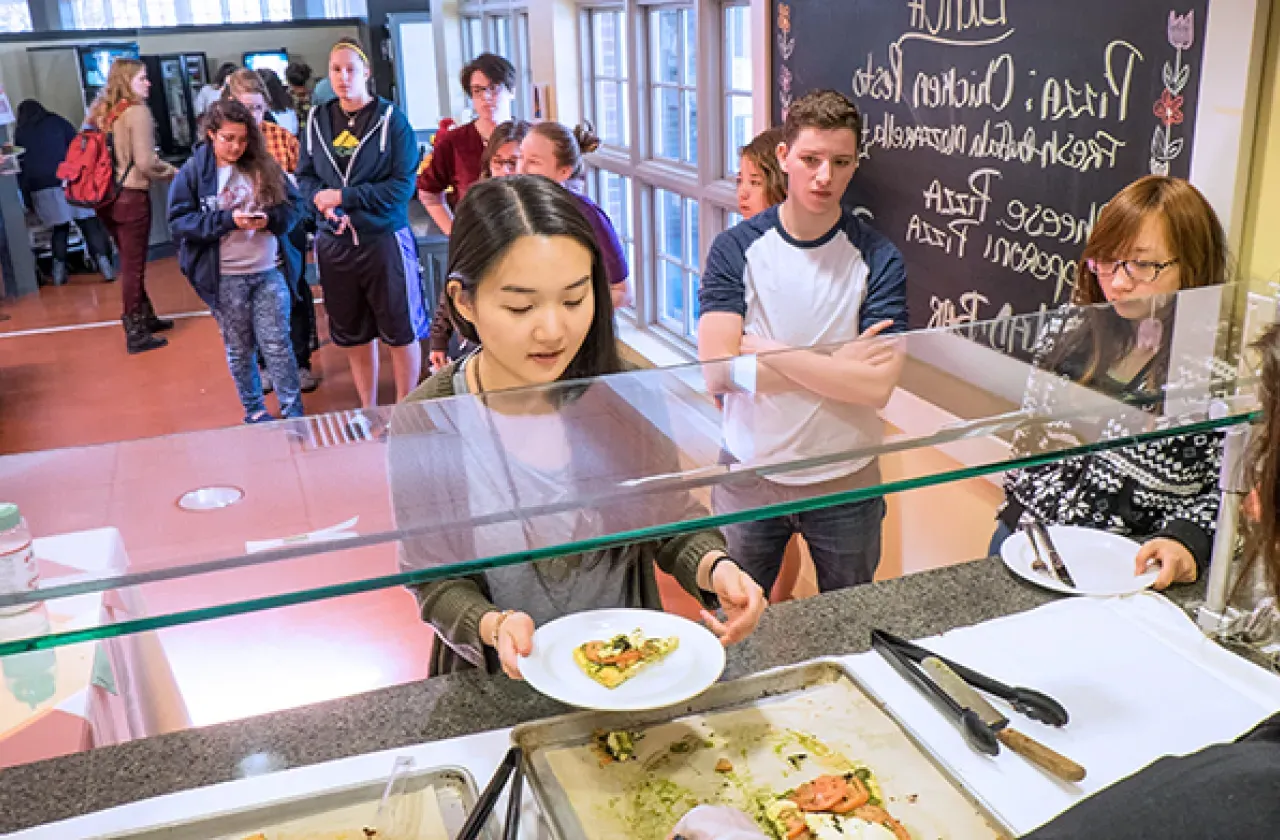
66	381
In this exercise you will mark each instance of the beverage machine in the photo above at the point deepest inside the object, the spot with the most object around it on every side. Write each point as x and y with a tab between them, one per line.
175	81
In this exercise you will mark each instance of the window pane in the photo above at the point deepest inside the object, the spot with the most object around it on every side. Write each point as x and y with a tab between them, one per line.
164	13
621	94
666	123
615	200
669	225
672	299
664	34
695	310
609	113
279	10
244	11
693	255
473	37
738	121
737	36
732	218
210	13
125	13
610	46
15	16
691	127
501	35
690	46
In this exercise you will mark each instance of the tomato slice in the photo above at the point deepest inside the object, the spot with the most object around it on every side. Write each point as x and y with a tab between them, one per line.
856	795
821	794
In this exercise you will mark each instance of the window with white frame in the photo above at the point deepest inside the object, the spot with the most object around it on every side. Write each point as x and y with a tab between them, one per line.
524	68
500	36
668	85
737	82
605	87
121	14
15	16
673	77
676	235
472	37
613	193
344	8
502	28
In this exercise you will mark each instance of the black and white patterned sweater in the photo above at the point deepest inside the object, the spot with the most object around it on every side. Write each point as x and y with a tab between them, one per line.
1161	488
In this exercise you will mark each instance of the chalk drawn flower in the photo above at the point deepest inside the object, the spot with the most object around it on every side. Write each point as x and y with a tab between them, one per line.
1169	109
784	79
1182	30
784	17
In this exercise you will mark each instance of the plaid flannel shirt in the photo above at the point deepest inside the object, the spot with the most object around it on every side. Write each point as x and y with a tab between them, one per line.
281	145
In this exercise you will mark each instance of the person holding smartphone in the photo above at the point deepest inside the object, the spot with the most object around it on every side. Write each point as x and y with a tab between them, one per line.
231	209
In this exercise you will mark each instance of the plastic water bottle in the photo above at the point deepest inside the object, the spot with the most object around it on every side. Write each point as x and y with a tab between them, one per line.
18	572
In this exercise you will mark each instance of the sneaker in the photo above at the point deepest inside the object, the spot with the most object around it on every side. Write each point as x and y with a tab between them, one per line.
259	417
267	385
308	380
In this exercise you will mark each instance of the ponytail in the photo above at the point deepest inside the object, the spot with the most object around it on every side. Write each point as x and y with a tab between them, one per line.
569	145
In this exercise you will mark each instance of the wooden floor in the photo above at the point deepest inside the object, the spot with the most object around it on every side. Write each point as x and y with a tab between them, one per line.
66	381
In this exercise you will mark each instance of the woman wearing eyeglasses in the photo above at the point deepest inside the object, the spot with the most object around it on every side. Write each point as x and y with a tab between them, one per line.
1157	236
488	81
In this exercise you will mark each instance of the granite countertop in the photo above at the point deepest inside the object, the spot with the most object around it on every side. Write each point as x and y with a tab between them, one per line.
836	623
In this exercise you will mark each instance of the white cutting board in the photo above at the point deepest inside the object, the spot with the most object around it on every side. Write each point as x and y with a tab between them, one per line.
1136	676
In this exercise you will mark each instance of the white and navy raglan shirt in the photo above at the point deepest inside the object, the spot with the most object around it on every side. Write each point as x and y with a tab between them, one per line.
803	294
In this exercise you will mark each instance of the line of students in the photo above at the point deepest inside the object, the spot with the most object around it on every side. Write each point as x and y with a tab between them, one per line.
803	273
808	273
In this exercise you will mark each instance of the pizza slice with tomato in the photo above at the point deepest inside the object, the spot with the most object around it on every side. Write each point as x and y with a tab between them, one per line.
613	662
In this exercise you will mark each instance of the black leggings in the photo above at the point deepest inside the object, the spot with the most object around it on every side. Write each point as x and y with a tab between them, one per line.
95	237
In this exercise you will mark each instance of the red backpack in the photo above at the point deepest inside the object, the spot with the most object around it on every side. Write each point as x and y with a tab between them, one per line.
88	170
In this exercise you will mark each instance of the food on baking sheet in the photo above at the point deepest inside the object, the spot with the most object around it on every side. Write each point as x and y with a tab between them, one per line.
613	662
617	745
833	808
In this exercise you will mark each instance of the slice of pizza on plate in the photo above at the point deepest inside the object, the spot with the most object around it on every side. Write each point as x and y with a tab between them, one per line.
613	662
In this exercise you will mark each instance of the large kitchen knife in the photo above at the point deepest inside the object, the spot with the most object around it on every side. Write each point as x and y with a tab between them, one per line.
1025	746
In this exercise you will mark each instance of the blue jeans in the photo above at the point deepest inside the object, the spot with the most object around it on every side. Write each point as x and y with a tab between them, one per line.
844	540
253	313
1001	534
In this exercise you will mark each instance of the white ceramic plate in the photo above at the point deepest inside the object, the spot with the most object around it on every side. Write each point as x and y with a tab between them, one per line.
690	670
1099	562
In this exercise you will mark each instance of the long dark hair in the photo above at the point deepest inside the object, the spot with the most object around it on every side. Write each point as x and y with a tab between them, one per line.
511	131
256	162
491	218
1198	242
1262	535
278	96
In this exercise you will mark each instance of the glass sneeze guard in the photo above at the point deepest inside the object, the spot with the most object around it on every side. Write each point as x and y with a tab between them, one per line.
357	501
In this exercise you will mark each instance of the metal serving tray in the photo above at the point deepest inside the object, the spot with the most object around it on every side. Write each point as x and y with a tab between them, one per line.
312	817
583	800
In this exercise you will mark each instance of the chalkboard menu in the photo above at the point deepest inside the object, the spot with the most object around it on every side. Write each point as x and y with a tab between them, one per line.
995	130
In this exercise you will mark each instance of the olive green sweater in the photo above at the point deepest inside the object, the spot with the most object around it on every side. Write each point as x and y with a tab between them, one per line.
454	607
